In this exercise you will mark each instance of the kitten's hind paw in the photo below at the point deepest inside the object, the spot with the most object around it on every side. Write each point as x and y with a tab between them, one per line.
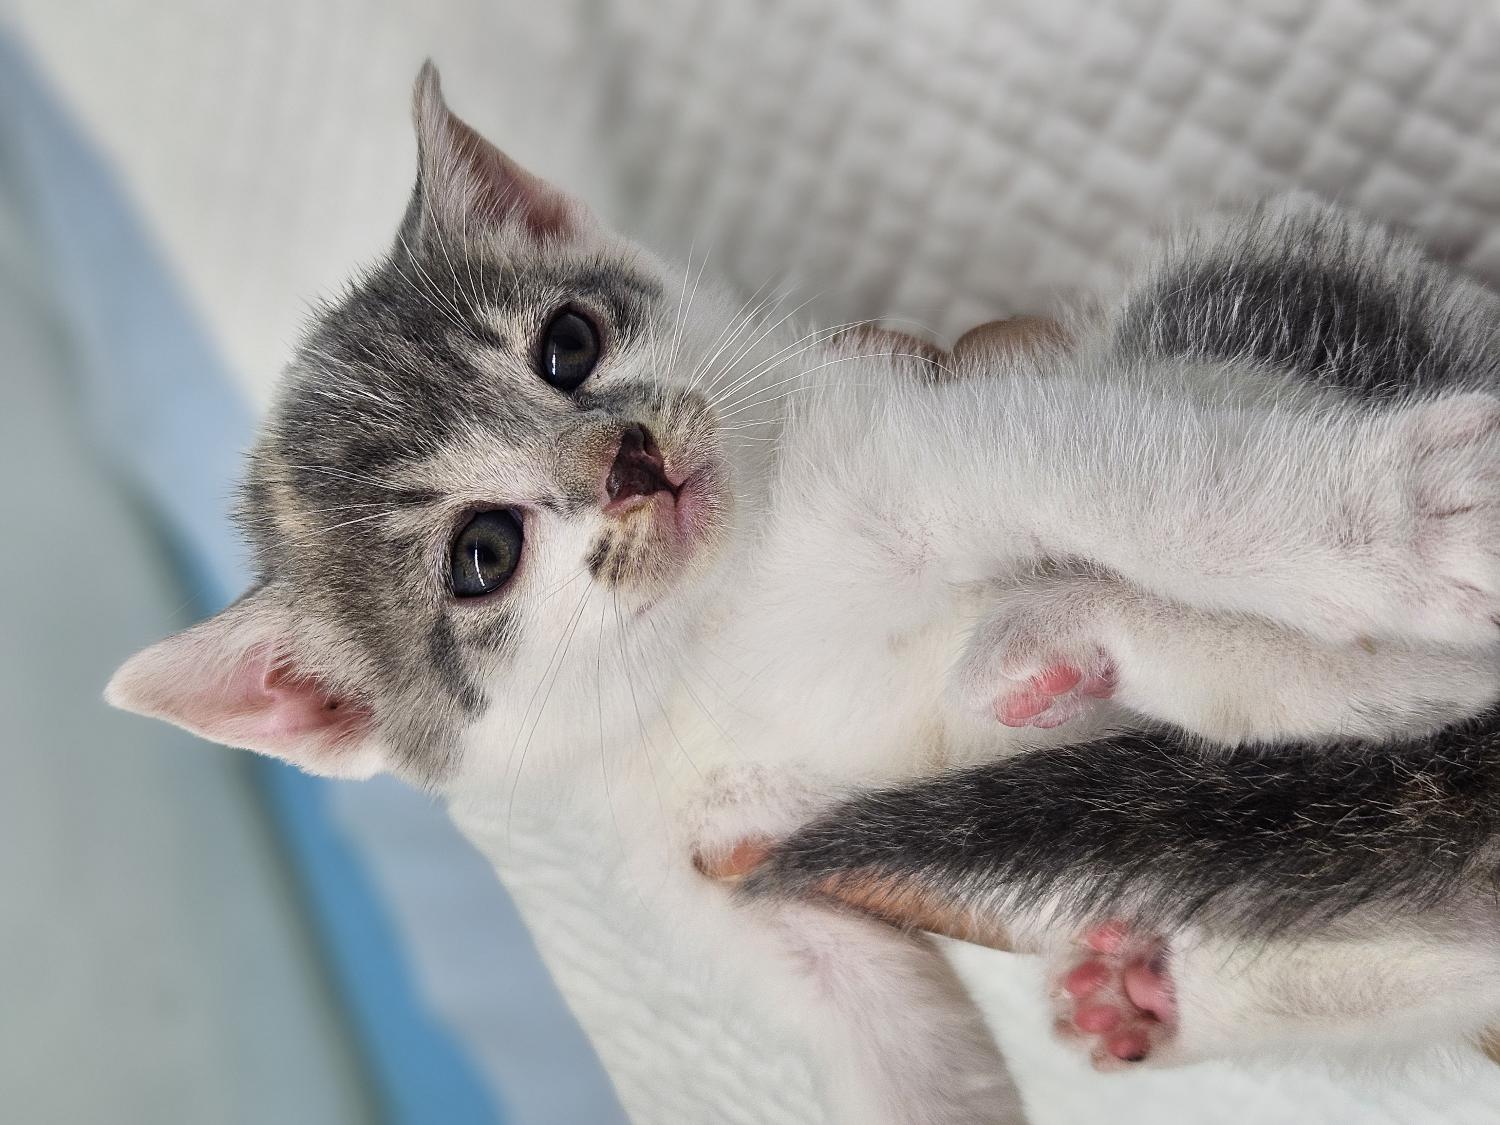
1037	661
1114	994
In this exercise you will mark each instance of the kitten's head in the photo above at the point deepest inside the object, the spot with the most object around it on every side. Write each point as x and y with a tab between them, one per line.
497	439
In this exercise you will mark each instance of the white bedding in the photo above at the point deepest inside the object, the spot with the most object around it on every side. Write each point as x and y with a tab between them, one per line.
946	162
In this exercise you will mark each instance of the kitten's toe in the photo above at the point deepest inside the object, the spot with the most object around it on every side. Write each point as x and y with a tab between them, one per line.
1148	986
1057	694
1087	978
731	863
1114	996
1030	701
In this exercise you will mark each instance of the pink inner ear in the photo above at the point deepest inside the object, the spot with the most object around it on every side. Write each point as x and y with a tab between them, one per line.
255	696
506	188
271	707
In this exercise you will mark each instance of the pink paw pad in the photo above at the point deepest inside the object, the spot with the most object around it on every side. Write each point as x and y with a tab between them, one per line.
1116	995
1055	695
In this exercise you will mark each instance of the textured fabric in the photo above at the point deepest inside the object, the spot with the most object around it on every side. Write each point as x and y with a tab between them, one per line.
941	162
952	161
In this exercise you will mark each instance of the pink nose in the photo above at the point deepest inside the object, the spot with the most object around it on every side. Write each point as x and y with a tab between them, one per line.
638	469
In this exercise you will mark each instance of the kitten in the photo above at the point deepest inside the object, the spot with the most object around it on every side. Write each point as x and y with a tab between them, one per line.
519	488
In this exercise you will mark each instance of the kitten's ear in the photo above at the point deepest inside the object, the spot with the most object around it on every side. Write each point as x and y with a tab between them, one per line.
236	679
463	181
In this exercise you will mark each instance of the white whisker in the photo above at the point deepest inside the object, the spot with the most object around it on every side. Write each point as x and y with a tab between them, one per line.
565	642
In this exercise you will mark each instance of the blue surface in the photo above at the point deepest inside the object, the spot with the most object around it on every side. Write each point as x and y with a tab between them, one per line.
422	1076
158	399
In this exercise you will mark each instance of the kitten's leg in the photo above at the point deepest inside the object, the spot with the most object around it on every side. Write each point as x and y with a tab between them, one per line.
1048	648
900	1039
1128	997
1397	531
1254	842
900	1042
1346	525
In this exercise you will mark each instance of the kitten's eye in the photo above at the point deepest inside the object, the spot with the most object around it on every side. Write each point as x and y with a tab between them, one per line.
570	348
485	554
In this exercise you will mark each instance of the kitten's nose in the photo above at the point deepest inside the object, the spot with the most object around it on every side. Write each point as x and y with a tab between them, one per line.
638	469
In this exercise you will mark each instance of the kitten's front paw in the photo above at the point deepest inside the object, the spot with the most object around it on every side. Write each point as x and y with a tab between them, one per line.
1059	693
1037	661
1114	994
1452	449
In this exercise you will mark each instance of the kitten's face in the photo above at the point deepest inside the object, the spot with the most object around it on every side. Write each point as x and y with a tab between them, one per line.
499	431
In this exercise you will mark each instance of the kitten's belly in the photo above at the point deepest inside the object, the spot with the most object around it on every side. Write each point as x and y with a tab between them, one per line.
836	694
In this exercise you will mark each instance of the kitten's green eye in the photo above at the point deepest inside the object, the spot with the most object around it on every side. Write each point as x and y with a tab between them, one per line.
570	348
485	554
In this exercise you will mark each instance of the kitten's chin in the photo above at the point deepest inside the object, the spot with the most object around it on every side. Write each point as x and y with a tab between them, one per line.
667	543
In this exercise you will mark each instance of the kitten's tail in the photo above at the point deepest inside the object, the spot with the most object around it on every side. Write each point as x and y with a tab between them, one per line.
1166	831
